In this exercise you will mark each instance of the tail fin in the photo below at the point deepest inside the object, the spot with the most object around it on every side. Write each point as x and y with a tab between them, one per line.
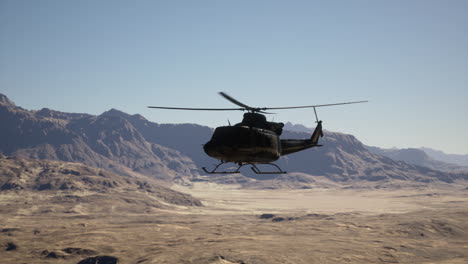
317	133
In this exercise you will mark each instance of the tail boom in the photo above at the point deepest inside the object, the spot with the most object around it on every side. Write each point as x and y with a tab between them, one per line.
289	146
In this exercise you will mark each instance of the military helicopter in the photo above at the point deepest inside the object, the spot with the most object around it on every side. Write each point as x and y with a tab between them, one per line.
254	140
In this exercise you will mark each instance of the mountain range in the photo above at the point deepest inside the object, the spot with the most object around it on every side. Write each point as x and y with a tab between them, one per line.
103	141
458	159
418	157
425	157
172	153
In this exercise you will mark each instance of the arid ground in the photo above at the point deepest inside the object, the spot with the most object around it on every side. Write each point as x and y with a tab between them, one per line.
428	225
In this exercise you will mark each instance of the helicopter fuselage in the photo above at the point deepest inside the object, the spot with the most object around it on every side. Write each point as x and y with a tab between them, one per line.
255	140
241	144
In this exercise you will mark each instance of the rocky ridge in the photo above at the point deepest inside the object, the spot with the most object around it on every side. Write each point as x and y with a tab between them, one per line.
21	174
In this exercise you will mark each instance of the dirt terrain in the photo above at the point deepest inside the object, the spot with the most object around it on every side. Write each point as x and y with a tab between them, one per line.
237	226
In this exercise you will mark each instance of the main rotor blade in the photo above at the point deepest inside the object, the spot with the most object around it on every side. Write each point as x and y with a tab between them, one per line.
310	106
234	101
197	109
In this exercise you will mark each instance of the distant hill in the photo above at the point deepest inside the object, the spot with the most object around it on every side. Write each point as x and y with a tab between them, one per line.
417	157
297	128
461	160
20	174
127	144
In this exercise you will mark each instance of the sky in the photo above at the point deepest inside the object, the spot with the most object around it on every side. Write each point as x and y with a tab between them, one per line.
409	58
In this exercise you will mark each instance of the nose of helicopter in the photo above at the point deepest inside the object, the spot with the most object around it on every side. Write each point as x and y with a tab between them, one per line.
208	148
217	151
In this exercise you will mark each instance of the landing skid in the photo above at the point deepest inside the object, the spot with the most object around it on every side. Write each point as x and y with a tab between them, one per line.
258	171
222	172
254	169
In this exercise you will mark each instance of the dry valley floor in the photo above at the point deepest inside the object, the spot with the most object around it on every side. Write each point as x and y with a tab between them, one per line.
237	226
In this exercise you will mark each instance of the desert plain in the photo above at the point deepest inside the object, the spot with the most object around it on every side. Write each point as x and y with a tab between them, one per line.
238	226
320	225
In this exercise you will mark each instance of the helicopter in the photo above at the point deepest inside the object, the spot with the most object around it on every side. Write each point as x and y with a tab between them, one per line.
254	140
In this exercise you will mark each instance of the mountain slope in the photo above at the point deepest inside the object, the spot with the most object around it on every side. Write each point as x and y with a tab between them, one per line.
461	160
99	141
416	157
20	174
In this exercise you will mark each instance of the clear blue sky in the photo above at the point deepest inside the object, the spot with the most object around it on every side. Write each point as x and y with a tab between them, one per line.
409	58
